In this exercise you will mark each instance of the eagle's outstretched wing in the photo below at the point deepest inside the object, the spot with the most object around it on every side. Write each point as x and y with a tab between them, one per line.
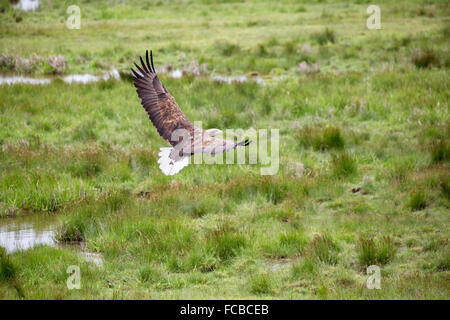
161	107
213	145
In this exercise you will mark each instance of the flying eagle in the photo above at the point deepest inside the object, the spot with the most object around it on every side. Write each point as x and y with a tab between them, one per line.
172	124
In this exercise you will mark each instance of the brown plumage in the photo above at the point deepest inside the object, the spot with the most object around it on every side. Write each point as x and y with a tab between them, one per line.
167	117
161	107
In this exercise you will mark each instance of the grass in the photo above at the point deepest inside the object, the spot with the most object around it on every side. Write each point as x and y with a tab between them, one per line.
261	284
424	58
443	262
440	151
7	268
321	138
371	131
344	165
418	201
308	266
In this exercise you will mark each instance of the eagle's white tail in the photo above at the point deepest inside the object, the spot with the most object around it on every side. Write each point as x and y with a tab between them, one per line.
168	166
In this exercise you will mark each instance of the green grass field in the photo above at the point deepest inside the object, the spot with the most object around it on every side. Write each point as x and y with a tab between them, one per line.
373	119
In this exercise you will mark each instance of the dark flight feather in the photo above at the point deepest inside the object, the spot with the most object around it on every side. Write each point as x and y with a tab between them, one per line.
161	107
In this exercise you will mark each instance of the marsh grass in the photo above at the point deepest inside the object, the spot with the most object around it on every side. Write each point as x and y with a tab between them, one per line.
151	274
294	239
225	243
321	139
261	284
324	248
418	201
443	261
440	151
306	267
227	49
375	251
444	185
84	220
326	36
8	270
424	58
9	274
344	165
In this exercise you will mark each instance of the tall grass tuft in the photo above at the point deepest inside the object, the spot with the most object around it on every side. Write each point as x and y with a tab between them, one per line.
444	184
225	242
85	132
324	36
324	248
150	274
306	266
262	50
199	208
72	231
290	47
417	201
7	268
85	219
372	251
424	58
261	284
344	165
274	189
291	243
332	138
440	151
443	262
293	239
321	138
227	48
